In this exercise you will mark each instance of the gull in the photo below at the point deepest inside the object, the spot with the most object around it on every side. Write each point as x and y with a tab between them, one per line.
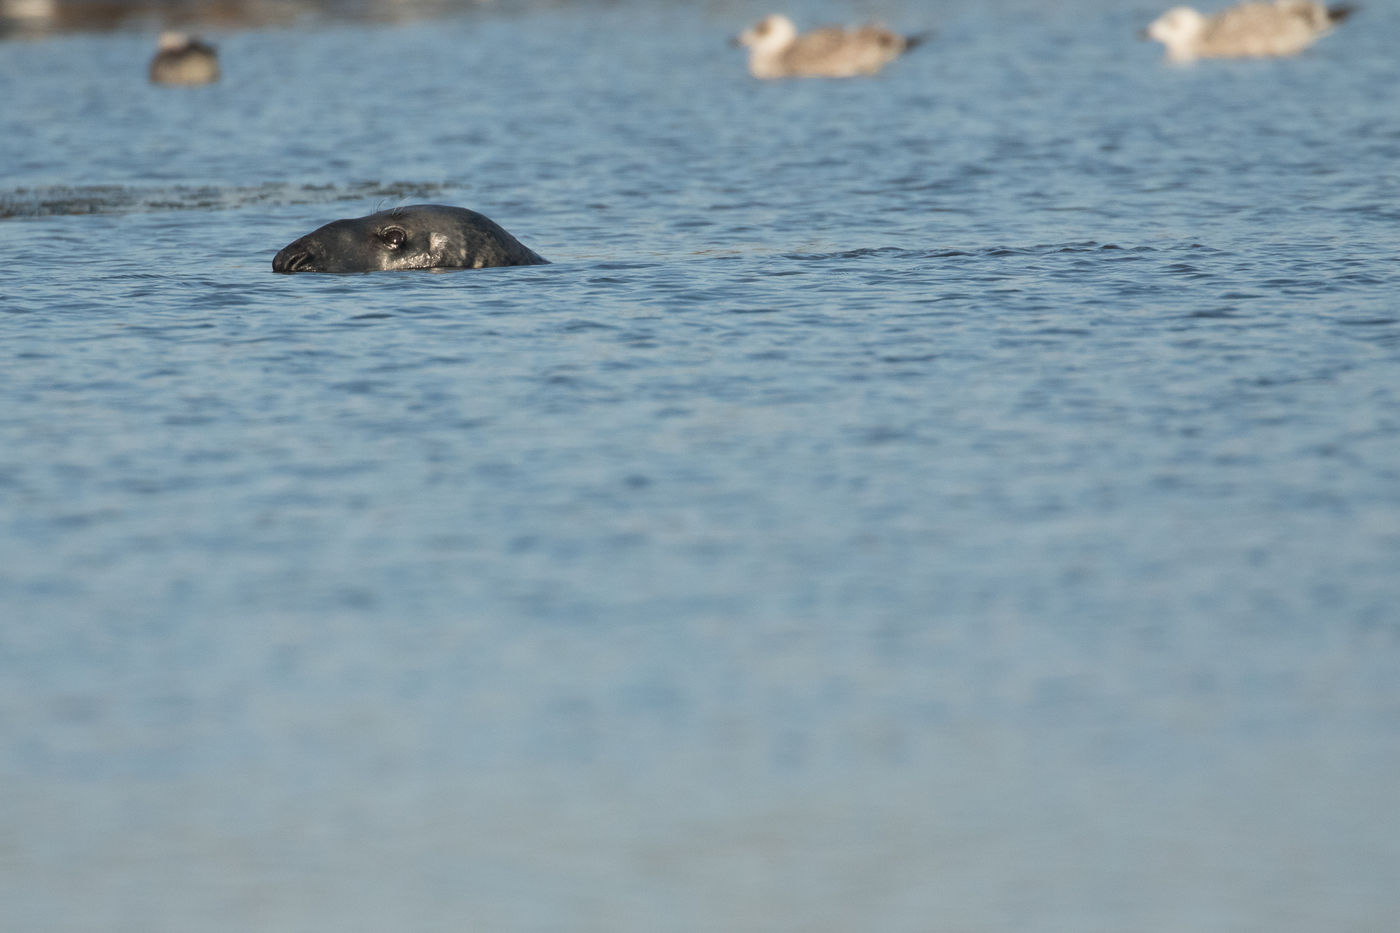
182	59
777	51
1250	30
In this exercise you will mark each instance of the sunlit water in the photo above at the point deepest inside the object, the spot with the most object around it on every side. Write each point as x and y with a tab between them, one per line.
962	500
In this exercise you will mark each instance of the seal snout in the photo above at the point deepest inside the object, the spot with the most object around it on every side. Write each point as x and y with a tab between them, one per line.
294	258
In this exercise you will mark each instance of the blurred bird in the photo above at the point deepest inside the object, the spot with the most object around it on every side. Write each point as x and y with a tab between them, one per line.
182	59
777	51
1251	30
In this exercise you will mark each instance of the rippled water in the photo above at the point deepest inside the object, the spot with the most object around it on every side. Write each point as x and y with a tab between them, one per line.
967	499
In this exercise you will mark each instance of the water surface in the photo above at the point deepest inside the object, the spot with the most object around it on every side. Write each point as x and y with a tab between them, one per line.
966	499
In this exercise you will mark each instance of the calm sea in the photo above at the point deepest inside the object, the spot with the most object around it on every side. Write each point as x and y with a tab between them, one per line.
962	500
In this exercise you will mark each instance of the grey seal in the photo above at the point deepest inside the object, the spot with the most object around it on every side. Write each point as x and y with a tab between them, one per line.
420	236
182	59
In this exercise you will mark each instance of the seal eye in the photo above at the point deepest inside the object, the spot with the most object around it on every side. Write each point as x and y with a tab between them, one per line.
393	237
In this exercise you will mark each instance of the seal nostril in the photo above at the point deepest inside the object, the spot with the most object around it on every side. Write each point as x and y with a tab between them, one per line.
298	261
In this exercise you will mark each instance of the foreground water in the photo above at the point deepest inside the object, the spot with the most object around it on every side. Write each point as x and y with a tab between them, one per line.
967	499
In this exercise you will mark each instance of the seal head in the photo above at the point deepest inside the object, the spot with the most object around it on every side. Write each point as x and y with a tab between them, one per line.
420	236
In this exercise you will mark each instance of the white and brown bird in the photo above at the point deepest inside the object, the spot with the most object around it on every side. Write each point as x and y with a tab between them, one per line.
182	59
777	51
1250	30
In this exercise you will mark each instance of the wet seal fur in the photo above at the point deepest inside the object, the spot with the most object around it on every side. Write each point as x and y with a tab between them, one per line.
419	236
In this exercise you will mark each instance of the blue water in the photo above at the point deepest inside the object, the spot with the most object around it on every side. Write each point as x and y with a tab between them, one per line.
961	500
